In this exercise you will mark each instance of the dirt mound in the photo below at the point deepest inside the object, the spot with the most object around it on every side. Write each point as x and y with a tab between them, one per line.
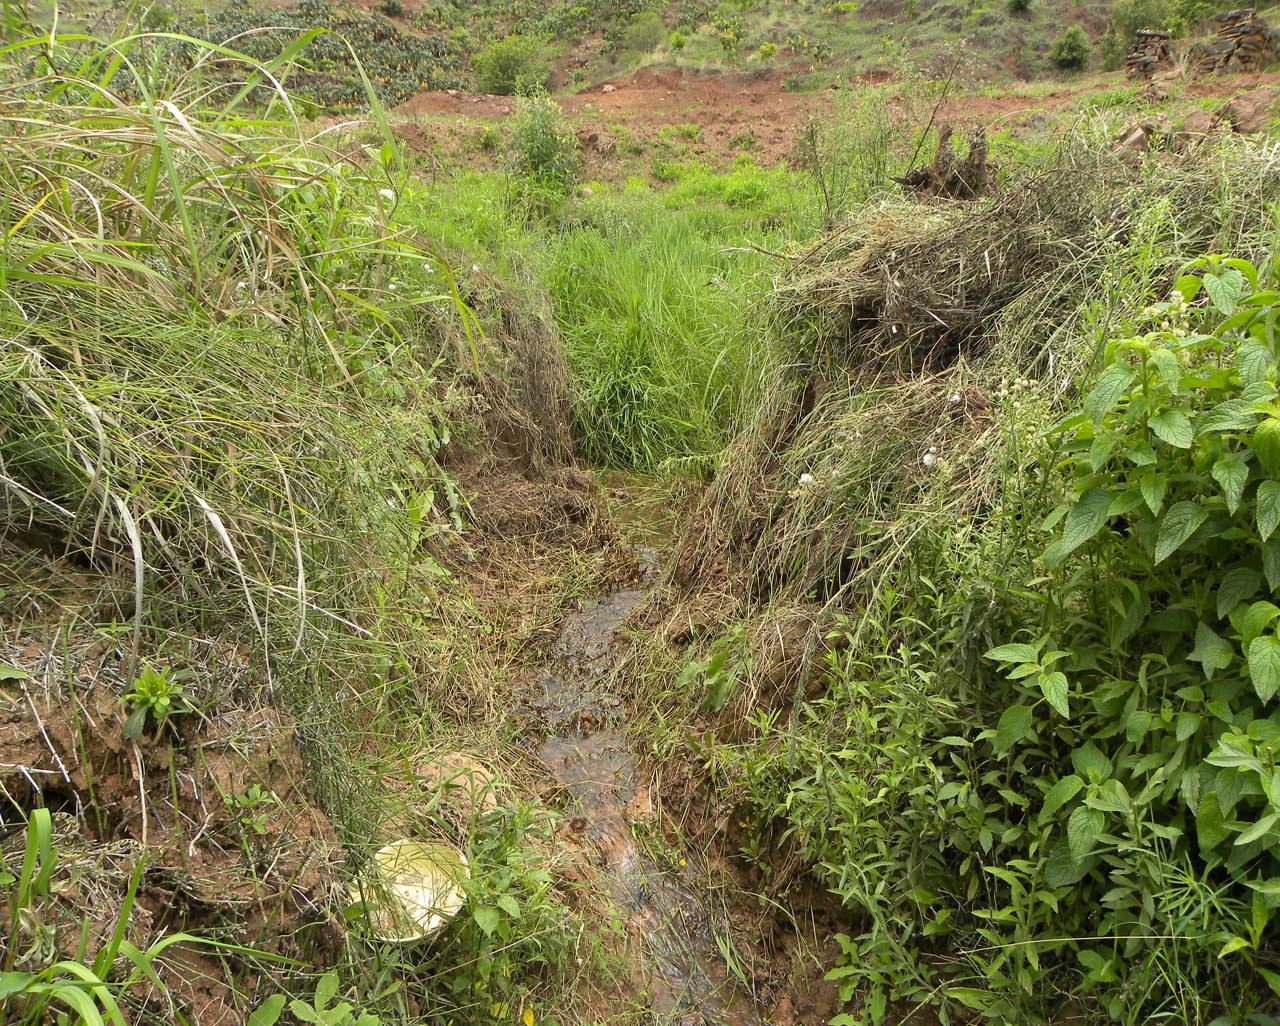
736	114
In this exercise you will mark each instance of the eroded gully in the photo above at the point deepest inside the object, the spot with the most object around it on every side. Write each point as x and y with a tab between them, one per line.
686	978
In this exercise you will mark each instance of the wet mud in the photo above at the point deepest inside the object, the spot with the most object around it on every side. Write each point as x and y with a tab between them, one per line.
673	932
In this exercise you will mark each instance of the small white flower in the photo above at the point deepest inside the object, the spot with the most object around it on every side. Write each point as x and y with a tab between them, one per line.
387	195
392	286
475	268
932	450
807	479
241	286
428	268
929	459
955	398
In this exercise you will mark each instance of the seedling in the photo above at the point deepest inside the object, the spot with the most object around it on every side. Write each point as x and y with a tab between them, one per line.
156	695
318	1010
254	807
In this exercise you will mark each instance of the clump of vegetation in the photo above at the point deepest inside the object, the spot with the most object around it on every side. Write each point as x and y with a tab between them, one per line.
1037	568
645	33
855	157
1177	17
229	375
156	696
542	148
1070	51
515	65
88	989
655	314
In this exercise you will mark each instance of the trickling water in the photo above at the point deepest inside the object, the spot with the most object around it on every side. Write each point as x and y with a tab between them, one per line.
688	980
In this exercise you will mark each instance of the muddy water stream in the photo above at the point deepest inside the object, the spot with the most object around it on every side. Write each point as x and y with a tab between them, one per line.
686	977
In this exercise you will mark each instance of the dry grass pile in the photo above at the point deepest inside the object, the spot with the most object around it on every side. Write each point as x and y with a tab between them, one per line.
910	287
922	337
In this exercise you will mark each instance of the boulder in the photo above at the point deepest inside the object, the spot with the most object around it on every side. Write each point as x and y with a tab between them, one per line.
1250	111
1139	136
1195	128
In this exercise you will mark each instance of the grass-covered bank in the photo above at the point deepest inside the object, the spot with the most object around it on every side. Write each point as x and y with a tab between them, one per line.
242	574
1015	496
968	623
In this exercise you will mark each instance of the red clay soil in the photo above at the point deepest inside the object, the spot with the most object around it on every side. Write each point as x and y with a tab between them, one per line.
756	114
723	106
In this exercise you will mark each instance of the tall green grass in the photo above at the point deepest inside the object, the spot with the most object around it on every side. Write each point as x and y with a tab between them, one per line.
656	326
654	290
228	367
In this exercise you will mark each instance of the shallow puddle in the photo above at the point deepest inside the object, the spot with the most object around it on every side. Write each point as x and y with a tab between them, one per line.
687	978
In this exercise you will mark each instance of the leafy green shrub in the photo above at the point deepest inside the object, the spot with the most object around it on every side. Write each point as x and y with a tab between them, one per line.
728	30
515	65
391	8
157	19
645	32
1100	819
1070	51
1019	6
542	147
677	41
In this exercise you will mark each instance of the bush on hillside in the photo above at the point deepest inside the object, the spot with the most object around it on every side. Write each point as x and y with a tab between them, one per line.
543	149
1070	51
515	65
1019	6
1175	16
645	33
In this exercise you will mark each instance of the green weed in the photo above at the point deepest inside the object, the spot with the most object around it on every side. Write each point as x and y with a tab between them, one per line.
319	1009
156	695
36	984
